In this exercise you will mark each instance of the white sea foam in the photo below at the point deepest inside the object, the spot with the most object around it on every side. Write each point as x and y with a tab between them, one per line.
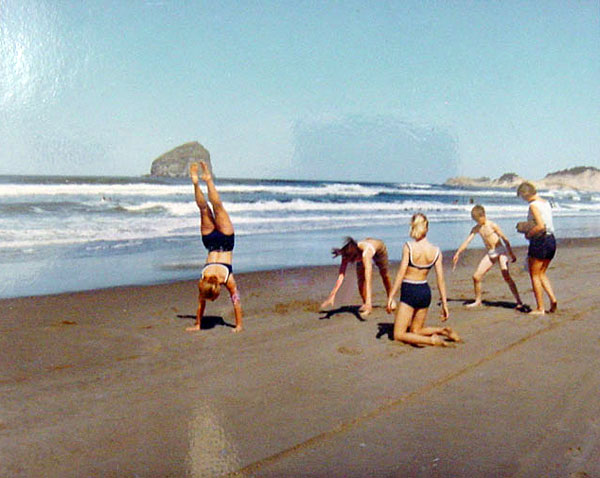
123	213
110	192
98	190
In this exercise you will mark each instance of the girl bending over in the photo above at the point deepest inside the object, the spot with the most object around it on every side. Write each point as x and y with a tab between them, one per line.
364	253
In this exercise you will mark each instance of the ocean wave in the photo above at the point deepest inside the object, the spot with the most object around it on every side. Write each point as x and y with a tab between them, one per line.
106	191
302	205
110	192
171	208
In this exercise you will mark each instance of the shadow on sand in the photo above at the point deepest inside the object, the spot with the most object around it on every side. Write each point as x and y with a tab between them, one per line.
495	303
385	328
351	309
208	321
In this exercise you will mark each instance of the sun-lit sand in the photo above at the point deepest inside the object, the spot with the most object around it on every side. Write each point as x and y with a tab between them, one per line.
108	382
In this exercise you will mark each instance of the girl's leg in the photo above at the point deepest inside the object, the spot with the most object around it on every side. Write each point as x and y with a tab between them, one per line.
405	317
547	286
418	324
535	273
360	278
509	280
207	221
385	278
222	220
484	265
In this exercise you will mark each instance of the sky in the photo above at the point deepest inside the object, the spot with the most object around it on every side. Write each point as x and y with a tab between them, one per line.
411	90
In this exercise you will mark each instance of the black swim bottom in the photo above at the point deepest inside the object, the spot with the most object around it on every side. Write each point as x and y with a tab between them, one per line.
418	296
217	241
543	247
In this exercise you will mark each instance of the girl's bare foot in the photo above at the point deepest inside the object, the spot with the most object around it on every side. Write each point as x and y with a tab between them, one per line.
477	303
451	334
537	312
194	172
206	176
192	329
237	329
553	307
436	340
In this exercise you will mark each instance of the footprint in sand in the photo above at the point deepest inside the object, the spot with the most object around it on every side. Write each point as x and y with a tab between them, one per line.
349	351
574	451
579	474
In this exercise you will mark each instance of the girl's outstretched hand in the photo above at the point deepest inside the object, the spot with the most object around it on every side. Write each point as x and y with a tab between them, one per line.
445	313
455	260
391	305
326	304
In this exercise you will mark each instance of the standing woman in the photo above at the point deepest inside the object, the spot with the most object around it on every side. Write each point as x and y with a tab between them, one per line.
218	238
418	258
542	245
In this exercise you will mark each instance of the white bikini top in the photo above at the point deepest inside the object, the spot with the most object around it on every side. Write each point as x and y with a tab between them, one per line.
369	246
417	266
225	266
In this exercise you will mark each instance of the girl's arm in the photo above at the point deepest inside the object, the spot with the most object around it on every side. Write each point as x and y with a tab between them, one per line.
502	236
441	283
199	314
462	248
338	283
540	225
236	301
399	278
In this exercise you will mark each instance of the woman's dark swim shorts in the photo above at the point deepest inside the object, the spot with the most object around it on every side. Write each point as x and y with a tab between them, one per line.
418	295
217	241
543	247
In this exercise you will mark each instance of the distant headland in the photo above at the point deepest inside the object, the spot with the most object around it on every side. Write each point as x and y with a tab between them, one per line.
176	162
581	178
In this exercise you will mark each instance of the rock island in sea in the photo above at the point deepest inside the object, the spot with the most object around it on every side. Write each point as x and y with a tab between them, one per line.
176	162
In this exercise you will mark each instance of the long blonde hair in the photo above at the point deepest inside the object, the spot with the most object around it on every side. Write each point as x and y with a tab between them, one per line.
419	225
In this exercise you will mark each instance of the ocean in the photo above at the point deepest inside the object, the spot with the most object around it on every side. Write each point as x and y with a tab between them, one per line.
60	234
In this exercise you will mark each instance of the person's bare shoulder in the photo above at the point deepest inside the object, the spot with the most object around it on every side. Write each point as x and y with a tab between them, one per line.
494	226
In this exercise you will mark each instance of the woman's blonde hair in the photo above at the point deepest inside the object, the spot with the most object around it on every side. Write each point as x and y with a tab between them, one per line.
209	287
419	225
526	188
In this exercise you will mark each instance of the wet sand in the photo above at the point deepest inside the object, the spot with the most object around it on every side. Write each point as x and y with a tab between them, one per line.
109	383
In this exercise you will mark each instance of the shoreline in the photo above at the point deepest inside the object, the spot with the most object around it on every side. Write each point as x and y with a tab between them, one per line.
567	241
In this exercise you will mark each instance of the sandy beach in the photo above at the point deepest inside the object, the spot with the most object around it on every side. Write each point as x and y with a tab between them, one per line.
108	382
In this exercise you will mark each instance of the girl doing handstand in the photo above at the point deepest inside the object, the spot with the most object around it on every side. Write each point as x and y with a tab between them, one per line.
218	237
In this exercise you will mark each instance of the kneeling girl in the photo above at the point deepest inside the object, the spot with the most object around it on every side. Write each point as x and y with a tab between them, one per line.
418	258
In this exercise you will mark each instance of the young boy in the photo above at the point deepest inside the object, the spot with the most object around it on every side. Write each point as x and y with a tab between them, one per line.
491	234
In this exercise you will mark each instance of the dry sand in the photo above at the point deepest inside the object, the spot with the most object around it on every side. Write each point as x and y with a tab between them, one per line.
108	383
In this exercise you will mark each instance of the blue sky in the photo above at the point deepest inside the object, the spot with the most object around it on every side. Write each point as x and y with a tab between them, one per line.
390	91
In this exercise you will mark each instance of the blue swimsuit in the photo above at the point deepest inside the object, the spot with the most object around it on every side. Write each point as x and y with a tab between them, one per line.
417	294
217	241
